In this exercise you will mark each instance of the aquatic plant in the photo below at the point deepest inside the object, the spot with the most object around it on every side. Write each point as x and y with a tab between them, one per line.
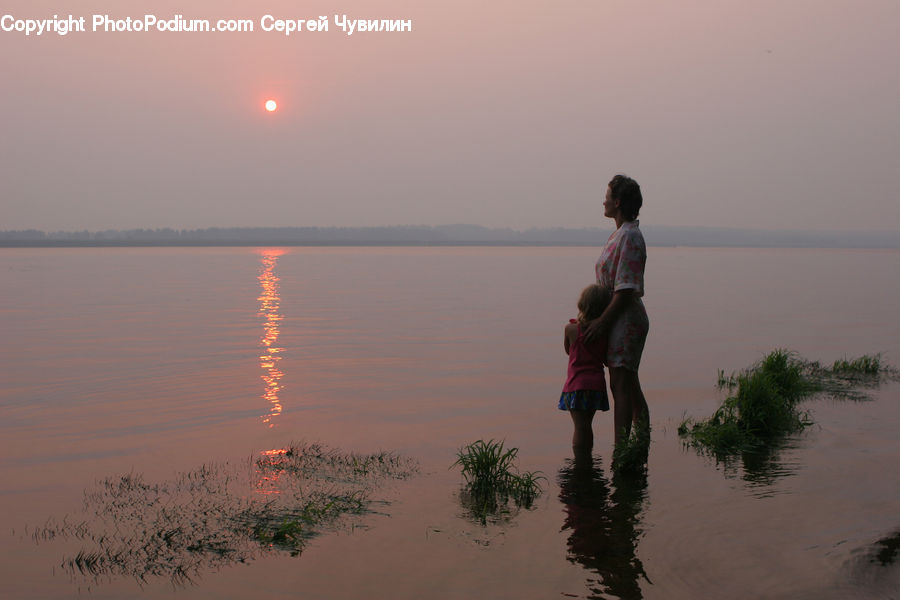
493	480
865	365
631	453
885	551
316	460
220	513
763	407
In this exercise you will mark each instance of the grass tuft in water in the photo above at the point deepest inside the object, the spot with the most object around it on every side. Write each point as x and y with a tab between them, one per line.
493	480
630	455
220	514
886	550
763	406
864	365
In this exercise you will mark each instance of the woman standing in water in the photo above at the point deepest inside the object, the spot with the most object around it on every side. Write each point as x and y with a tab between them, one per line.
624	322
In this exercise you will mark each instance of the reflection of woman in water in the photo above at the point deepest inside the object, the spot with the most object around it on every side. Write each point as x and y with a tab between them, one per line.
603	526
621	268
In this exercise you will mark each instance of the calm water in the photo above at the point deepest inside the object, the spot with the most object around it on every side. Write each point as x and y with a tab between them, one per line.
158	361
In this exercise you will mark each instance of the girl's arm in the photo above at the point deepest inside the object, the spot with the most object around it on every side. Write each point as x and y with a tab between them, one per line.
569	334
599	327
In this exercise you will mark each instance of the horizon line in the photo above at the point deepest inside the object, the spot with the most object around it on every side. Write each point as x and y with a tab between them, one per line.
445	225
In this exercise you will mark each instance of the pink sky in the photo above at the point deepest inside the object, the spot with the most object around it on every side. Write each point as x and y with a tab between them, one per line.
764	114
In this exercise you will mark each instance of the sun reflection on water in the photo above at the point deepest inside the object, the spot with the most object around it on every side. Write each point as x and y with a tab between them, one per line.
267	480
269	307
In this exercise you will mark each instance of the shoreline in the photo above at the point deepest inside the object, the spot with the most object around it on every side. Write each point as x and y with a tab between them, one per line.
410	244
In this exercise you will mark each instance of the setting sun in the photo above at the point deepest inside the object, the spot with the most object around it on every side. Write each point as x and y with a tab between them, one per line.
271	105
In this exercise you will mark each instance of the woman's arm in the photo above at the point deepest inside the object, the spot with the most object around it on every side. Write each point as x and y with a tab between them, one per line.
599	327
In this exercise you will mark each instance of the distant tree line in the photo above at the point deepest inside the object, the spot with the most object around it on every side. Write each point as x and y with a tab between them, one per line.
407	235
442	235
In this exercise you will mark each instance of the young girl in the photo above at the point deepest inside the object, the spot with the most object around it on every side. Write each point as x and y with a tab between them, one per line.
585	390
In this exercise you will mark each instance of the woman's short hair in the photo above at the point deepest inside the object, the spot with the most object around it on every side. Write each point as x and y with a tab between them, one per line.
627	191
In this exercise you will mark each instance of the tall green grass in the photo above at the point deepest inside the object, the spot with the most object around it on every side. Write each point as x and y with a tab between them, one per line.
864	365
763	405
493	480
630	454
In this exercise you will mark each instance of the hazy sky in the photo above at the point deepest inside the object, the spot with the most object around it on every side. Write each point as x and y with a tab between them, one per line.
765	114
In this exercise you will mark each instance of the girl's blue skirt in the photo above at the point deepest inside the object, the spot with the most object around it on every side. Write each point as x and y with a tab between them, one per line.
584	400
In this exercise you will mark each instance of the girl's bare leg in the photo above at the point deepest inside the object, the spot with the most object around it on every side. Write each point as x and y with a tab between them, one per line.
583	437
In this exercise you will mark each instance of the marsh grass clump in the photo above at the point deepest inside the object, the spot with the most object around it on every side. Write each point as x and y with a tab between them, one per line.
329	464
864	365
630	455
220	514
762	407
886	550
493	480
847	378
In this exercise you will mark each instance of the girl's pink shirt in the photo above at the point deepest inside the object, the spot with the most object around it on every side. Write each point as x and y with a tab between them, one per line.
585	364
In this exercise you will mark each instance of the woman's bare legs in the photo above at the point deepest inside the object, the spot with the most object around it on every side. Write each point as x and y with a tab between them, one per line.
583	437
630	404
640	414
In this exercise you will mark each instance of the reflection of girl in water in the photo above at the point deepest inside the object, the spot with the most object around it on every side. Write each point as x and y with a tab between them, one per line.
603	526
